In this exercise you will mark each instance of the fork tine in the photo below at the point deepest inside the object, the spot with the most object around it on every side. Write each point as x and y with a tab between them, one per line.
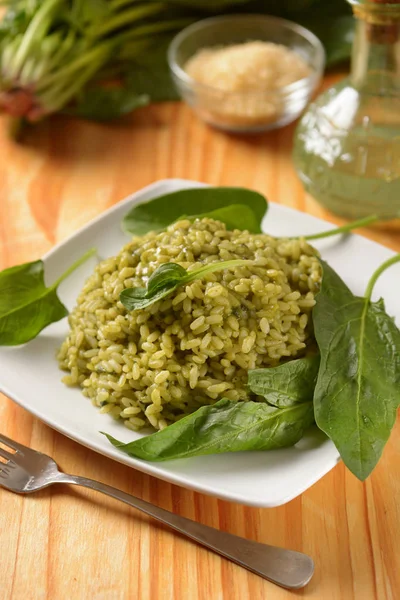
5	471
5	467
11	444
6	455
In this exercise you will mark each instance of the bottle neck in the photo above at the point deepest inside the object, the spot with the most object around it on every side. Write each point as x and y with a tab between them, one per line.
376	52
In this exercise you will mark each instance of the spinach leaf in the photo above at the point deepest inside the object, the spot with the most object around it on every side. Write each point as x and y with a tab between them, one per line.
358	387
167	278
167	275
333	24
102	103
288	384
26	305
238	208
226	426
149	73
160	212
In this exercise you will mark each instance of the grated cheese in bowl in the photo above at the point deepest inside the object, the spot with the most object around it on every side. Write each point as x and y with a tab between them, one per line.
246	73
252	66
243	82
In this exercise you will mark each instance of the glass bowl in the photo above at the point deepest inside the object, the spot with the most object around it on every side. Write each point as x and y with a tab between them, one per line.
246	111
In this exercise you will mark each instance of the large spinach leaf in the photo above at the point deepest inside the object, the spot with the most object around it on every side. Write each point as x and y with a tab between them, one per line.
358	388
229	426
288	384
226	426
26	305
238	207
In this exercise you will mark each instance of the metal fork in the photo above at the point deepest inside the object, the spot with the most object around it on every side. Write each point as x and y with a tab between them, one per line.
26	470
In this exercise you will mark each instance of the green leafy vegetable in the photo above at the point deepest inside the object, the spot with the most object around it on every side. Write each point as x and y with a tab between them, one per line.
149	73
237	207
105	104
358	387
26	305
288	384
166	279
333	23
227	426
52	51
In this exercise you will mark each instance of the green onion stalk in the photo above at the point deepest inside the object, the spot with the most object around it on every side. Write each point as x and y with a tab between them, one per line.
52	50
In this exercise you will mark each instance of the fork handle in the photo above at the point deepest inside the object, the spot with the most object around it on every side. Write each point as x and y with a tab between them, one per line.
289	569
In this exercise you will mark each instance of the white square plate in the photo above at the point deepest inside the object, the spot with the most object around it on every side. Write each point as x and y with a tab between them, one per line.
30	376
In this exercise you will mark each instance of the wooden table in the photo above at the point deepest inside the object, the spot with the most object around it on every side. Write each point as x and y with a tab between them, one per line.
72	544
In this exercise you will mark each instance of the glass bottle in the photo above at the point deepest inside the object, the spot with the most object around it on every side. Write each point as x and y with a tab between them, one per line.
347	145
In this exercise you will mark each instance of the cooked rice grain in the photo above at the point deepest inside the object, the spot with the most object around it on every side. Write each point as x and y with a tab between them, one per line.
155	365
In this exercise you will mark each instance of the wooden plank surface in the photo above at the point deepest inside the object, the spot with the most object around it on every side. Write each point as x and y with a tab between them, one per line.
63	543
